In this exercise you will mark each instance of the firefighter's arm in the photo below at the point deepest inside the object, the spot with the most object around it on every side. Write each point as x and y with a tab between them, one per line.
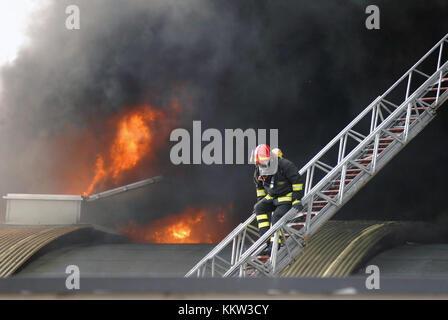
261	193
292	173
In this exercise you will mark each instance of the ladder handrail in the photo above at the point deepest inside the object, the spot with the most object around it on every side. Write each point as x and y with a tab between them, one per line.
445	38
224	242
367	109
367	139
339	136
291	213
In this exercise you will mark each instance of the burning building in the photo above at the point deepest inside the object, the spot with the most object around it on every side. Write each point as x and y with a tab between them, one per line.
88	114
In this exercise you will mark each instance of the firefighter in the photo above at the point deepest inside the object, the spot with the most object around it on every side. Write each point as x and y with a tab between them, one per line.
278	187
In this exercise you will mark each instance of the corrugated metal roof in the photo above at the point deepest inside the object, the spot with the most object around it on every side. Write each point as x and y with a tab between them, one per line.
339	247
101	259
18	244
413	260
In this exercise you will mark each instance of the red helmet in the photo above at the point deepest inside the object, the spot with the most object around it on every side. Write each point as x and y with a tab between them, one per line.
262	155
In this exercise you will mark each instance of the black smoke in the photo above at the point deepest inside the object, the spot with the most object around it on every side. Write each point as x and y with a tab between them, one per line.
304	67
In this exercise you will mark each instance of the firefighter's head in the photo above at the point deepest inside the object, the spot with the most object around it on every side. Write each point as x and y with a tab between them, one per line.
262	155
265	160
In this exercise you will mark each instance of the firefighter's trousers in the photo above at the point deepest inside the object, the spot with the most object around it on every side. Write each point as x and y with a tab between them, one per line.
269	210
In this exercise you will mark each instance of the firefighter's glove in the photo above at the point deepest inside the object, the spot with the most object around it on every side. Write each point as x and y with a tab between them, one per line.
297	205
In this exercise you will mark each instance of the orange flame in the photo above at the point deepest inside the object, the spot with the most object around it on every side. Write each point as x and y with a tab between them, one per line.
190	226
131	144
132	141
100	174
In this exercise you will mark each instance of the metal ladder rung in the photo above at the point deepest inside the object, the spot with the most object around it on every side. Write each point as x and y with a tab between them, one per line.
364	160
301	224
396	129
336	185
297	225
428	99
353	170
330	191
351	175
312	212
319	206
384	144
339	181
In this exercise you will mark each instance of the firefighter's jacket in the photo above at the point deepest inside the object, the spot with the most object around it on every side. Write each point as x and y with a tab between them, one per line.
284	186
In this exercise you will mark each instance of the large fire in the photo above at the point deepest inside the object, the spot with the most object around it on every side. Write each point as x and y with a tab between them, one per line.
104	157
131	144
193	225
112	151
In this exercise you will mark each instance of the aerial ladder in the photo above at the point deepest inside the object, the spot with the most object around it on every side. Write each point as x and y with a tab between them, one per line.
338	171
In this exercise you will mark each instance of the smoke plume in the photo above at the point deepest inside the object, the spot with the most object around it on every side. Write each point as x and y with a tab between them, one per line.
304	67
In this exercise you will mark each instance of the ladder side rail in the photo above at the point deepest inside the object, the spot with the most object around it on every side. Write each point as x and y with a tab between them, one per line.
384	125
339	135
224	243
364	177
290	214
361	181
413	130
342	137
372	106
422	59
368	108
351	190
